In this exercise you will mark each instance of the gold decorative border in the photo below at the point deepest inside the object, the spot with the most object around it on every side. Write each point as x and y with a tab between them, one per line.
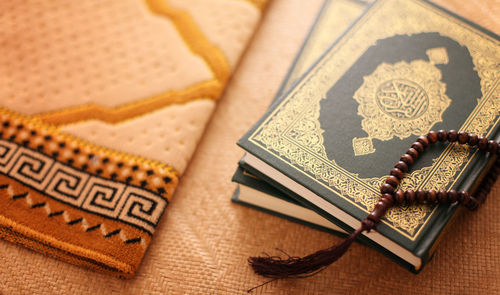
283	133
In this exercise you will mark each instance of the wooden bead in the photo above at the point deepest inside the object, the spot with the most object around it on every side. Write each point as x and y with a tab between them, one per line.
401	166
452	196
392	180
463	137
463	197
452	135
420	196
473	139
432	136
388	199
492	146
378	212
473	204
391	196
431	196
413	152
397	172
418	146
423	140
442	196
382	205
410	196
442	135
386	189
399	197
483	143
407	159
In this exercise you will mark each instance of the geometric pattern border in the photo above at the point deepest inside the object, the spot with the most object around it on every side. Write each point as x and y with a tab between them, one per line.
110	199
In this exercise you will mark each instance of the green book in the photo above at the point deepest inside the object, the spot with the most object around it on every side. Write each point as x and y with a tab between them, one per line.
403	68
335	17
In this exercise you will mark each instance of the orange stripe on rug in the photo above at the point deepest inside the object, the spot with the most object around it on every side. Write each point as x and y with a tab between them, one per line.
204	90
194	38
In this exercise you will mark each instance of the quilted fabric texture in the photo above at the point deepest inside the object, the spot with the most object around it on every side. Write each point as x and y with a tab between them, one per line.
102	104
203	241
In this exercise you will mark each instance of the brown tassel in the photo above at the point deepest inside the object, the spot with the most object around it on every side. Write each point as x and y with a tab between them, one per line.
296	267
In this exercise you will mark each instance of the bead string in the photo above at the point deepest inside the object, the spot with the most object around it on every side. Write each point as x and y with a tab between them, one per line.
391	196
298	267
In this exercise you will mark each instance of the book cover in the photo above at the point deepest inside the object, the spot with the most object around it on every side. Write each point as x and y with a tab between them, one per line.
404	68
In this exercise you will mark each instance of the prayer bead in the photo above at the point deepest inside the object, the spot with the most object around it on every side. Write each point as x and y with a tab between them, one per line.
452	196
399	196
401	166
442	135
483	143
407	159
386	189
463	137
442	196
423	140
418	146
463	197
420	196
431	196
452	135
410	196
412	152
432	136
392	180
397	172
492	146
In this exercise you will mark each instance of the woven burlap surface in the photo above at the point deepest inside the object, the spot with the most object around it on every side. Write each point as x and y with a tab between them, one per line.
202	243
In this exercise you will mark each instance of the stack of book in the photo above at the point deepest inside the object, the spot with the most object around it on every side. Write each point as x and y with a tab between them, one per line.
354	100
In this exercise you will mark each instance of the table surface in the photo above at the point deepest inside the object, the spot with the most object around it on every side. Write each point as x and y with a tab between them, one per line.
203	241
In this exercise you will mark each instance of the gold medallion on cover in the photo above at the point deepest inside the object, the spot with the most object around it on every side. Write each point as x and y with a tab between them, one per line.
400	100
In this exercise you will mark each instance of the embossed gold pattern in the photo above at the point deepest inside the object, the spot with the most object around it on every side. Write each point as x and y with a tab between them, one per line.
293	134
438	55
362	146
400	100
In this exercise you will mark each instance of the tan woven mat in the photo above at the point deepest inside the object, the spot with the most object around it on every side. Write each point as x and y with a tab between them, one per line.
202	244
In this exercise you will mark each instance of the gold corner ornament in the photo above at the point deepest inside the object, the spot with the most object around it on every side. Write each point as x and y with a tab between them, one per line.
400	100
